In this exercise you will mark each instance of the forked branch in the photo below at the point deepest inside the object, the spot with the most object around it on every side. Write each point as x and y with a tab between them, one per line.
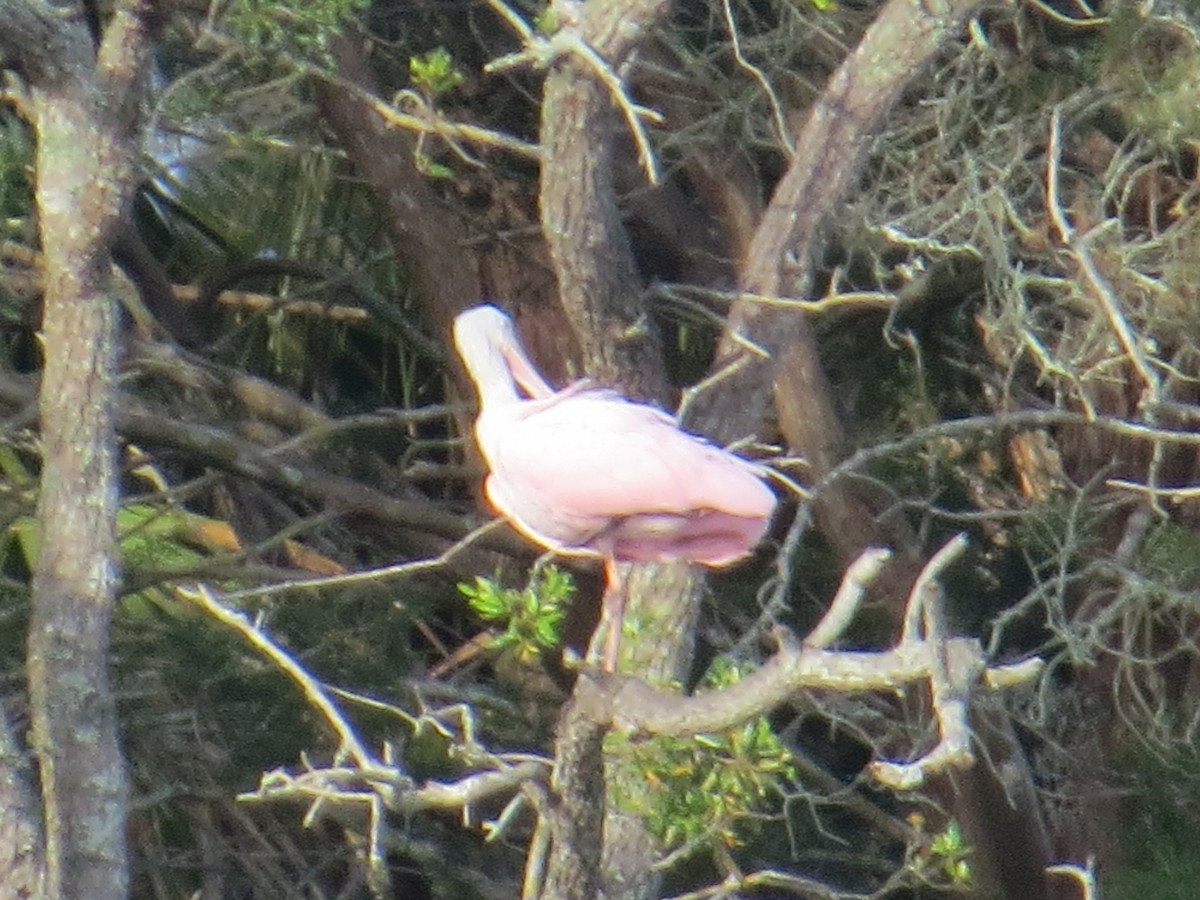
953	666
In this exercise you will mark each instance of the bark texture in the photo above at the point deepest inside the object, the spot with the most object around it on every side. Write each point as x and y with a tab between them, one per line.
591	254
589	247
601	291
21	859
829	146
83	106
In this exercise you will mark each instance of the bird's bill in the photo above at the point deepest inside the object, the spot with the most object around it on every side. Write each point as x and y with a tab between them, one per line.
522	369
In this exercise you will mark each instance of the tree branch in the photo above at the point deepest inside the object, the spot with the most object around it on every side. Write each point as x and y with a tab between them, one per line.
953	666
46	49
828	150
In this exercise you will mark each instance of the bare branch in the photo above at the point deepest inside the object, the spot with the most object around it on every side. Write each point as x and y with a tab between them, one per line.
342	784
257	638
834	137
924	593
951	665
845	603
386	573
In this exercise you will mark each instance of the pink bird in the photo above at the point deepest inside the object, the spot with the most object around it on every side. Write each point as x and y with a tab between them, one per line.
586	472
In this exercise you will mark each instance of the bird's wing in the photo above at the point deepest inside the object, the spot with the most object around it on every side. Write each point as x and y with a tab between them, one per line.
593	456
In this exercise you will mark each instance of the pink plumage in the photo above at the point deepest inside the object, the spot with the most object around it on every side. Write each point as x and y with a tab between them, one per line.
585	471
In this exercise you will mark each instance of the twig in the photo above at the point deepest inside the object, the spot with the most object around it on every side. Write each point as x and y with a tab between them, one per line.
257	638
539	844
925	589
400	570
568	40
323	430
1092	20
860	574
781	126
1066	233
1176	494
1104	295
833	300
433	122
1102	291
727	371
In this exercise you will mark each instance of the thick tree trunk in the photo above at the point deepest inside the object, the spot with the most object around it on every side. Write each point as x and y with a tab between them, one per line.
601	290
83	107
591	254
74	712
597	279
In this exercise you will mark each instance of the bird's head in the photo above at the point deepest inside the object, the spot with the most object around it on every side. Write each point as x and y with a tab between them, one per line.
487	342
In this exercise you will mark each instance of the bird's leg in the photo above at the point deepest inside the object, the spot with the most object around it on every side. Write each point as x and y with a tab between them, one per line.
612	609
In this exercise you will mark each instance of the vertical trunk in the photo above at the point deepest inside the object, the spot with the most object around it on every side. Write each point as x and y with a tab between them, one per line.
83	105
73	709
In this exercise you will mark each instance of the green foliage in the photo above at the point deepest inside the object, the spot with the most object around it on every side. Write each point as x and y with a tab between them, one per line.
1060	531
547	21
1171	555
946	858
298	26
434	73
531	616
430	168
703	791
1157	829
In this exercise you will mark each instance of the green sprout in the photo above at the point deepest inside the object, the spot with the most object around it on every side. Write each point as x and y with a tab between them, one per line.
947	856
532	616
547	21
952	854
704	791
430	168
434	74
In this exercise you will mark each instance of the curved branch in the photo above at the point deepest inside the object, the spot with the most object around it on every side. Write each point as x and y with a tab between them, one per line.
829	147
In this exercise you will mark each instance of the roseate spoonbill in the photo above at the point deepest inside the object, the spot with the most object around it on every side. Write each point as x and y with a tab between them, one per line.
584	471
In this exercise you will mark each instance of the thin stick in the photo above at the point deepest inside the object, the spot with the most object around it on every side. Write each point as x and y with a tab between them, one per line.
400	570
203	597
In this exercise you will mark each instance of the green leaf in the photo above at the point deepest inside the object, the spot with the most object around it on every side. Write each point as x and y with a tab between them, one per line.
426	166
434	74
532	616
